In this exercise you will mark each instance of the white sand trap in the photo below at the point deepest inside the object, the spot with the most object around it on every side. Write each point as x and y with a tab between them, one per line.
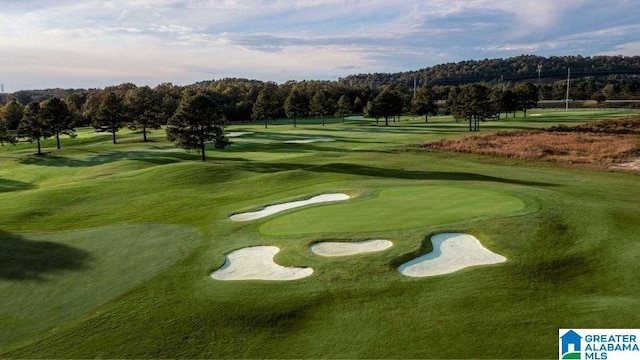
331	249
308	141
256	263
274	209
451	252
239	133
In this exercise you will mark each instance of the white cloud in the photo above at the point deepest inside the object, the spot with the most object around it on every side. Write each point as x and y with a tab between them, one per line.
186	41
608	32
628	49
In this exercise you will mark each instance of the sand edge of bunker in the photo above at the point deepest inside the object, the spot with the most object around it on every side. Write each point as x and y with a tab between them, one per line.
239	133
451	252
276	208
256	263
308	141
335	248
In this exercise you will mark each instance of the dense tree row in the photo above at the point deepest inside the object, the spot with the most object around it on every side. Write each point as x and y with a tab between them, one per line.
198	115
621	73
601	69
144	108
41	114
599	78
196	120
244	100
478	102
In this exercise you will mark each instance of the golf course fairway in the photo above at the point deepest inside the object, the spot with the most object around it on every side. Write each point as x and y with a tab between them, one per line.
58	276
108	250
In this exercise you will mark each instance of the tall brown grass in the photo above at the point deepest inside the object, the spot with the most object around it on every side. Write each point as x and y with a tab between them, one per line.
599	144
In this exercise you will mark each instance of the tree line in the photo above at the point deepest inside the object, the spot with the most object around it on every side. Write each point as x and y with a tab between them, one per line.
621	74
196	120
197	115
40	114
250	100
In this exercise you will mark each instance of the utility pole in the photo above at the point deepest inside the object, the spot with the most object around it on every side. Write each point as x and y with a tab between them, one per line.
539	70
414	87
567	98
540	94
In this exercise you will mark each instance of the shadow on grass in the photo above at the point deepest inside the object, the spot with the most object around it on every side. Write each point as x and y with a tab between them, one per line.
308	148
426	247
362	170
108	157
7	185
24	259
553	256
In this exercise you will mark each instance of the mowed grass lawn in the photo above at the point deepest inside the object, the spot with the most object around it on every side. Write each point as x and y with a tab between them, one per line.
106	250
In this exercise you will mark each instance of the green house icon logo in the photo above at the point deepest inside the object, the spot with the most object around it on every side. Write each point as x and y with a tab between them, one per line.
570	345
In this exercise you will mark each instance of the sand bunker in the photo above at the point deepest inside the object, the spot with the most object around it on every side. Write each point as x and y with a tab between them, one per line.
451	252
239	133
308	141
273	209
633	165
331	249
256	263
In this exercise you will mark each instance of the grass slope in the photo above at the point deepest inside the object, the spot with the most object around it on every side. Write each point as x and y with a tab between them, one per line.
48	279
572	249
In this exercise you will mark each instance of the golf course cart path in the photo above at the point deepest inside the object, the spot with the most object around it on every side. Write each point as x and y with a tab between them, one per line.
451	252
256	263
308	141
274	209
331	249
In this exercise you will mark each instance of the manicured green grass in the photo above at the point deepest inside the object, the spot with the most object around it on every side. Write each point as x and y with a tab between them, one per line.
416	205
125	237
48	279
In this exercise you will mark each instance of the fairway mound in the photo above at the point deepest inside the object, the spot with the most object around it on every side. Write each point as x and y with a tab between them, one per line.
451	252
239	133
330	249
308	141
256	263
274	209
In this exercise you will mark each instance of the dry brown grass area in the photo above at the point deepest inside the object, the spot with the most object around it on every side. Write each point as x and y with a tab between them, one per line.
607	144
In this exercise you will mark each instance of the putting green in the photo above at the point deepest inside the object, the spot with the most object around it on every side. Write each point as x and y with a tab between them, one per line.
397	208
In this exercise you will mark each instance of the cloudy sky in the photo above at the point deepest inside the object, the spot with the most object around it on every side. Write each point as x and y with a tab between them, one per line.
97	43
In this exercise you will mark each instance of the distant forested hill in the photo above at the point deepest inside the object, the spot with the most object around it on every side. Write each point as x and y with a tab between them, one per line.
515	69
600	78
